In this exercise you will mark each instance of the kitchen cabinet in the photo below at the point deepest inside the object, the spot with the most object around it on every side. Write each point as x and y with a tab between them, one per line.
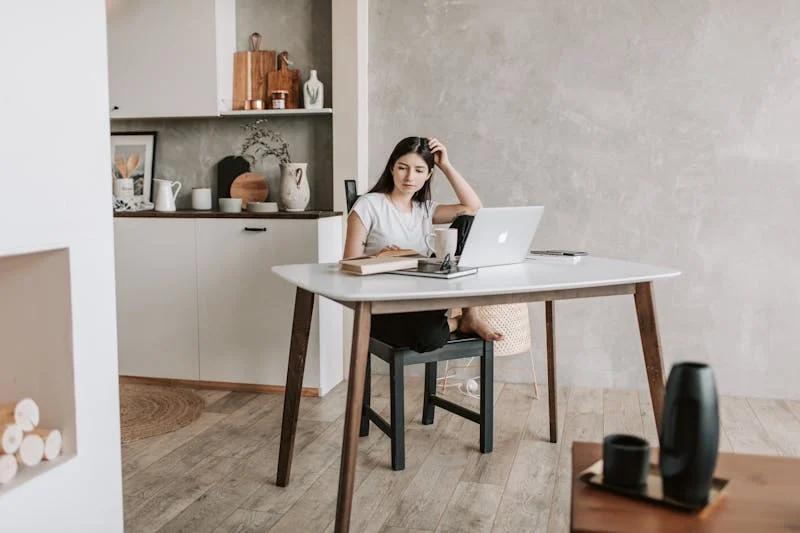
170	59
240	312
156	298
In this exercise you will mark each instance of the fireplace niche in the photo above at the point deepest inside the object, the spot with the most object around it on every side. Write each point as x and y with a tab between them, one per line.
36	349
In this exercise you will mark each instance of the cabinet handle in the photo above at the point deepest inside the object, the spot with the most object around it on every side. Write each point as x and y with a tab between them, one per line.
115	108
255	229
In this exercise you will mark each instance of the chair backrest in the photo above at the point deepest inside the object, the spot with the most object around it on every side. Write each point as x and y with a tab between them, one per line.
350	193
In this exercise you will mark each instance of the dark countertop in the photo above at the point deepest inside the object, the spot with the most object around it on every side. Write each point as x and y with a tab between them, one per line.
189	213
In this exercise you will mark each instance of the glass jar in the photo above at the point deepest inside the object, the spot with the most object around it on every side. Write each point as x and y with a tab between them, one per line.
278	99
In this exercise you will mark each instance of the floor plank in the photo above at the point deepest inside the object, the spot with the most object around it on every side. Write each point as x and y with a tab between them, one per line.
472	508
231	402
779	422
247	521
622	413
742	427
584	421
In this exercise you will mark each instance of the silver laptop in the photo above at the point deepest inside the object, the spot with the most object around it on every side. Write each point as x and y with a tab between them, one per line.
500	236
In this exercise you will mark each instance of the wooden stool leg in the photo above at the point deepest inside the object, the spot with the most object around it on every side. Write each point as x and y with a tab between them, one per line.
487	398
552	388
651	346
430	390
397	417
364	430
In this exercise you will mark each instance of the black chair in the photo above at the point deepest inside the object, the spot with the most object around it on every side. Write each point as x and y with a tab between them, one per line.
457	347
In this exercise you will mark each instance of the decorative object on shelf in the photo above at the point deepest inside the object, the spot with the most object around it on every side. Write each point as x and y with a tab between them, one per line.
123	187
250	187
250	69
285	79
137	203
24	413
278	99
262	207
313	92
201	198
689	433
230	205
228	168
165	194
148	410
626	461
295	192
133	157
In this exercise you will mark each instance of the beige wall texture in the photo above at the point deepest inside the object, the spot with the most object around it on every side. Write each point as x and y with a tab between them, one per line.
660	132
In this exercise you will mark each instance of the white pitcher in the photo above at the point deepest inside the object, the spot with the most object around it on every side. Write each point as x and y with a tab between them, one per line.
164	196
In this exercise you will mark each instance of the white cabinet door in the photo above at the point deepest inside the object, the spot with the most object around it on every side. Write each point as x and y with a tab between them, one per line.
170	59
156	297
245	311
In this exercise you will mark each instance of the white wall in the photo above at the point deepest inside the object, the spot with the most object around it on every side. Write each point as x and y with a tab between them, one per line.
55	189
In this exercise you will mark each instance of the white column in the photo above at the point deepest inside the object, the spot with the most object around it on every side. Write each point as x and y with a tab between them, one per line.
350	44
349	21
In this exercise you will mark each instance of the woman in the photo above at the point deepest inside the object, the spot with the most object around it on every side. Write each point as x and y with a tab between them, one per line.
397	213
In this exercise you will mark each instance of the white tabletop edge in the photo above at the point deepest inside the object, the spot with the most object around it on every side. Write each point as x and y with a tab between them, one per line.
327	280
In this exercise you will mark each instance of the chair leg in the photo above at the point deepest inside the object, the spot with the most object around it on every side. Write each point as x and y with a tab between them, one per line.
364	429
396	418
444	379
533	370
430	390
487	398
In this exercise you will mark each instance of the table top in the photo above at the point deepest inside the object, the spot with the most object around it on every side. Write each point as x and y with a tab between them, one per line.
529	276
763	495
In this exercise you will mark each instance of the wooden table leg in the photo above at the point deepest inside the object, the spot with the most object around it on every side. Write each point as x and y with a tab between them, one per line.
301	327
355	399
552	387
651	346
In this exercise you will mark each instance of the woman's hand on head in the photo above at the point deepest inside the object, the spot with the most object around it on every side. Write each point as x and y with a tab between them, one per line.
439	153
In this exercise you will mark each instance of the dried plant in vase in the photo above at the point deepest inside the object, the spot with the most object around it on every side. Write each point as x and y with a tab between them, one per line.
261	142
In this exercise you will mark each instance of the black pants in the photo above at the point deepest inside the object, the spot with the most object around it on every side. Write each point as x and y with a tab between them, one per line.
422	331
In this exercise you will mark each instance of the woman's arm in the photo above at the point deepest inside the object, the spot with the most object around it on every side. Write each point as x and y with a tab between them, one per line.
356	239
469	201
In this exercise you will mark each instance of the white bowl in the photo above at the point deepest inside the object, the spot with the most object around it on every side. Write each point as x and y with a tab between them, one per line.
262	207
230	205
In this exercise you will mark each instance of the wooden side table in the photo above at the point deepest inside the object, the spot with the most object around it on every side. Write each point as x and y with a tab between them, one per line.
763	496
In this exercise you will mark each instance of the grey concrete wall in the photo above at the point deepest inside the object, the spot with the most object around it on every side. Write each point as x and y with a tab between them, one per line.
660	132
188	149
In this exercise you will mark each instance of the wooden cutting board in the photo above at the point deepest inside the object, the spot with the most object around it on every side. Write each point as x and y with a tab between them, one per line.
285	79
250	71
250	187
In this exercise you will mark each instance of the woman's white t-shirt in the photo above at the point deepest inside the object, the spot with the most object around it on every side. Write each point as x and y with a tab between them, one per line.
387	226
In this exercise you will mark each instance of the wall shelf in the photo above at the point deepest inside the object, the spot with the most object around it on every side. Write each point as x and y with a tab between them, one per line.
276	112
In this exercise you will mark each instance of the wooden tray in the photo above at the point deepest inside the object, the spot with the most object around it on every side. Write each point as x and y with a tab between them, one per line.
653	492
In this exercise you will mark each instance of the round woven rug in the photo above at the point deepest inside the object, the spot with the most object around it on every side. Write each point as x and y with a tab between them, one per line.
148	410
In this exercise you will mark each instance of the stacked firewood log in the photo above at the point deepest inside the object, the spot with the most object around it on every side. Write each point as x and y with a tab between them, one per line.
22	442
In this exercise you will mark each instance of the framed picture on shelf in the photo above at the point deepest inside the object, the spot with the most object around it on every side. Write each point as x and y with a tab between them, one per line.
133	155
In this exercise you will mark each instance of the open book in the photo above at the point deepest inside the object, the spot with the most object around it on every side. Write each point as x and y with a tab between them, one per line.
381	262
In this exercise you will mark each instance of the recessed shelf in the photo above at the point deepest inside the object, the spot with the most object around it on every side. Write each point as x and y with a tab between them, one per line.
277	112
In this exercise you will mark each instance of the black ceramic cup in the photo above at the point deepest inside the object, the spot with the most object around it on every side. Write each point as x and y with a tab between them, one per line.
626	461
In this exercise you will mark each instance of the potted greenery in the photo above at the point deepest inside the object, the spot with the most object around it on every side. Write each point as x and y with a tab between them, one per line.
261	142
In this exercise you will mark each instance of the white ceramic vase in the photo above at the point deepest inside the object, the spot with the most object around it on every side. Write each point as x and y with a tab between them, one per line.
295	192
313	92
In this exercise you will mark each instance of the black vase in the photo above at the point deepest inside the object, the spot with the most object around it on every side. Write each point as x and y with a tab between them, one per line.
689	434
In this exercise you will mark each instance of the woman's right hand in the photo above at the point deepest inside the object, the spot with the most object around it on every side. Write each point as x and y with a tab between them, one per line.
389	248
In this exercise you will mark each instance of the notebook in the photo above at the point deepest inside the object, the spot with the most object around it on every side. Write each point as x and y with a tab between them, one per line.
381	262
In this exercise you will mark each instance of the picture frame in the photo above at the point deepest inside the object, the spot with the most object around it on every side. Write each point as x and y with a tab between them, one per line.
133	155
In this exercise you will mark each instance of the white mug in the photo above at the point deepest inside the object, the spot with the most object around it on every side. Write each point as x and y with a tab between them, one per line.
445	241
201	198
123	188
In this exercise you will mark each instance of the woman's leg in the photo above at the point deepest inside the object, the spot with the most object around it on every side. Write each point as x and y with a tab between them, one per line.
470	321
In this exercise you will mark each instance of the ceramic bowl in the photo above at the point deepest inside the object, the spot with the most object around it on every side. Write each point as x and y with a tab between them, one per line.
230	205
262	207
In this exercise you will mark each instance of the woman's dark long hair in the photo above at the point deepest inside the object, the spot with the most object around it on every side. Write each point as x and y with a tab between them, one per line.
417	145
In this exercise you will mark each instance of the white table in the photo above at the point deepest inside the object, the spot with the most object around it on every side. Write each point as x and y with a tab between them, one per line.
531	281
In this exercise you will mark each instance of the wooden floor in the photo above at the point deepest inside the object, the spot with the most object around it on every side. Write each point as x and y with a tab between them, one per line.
217	474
